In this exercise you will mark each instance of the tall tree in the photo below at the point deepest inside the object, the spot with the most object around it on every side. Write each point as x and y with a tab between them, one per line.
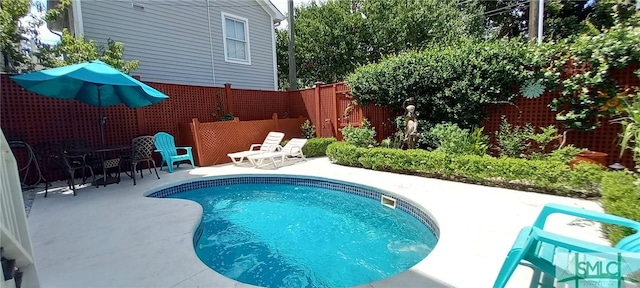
334	38
73	50
13	58
19	31
562	19
327	38
395	26
282	56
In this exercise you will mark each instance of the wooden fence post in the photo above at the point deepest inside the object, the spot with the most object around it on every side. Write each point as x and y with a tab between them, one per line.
229	96
318	120
335	111
197	142
275	121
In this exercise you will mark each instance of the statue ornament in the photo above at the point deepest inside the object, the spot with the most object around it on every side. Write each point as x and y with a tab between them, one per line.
411	131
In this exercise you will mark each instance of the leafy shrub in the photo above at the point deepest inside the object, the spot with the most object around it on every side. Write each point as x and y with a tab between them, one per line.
630	136
585	97
449	138
450	82
540	175
363	136
512	139
386	143
308	129
227	117
396	141
565	154
344	153
546	136
317	147
620	197
586	176
454	140
413	160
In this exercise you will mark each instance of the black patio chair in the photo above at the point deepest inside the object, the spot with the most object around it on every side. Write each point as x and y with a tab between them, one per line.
50	158
110	165
142	148
74	163
79	144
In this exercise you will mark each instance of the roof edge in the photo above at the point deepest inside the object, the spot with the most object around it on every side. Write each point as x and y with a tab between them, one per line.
272	10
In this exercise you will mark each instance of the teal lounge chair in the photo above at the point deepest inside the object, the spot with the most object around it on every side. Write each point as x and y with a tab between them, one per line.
552	253
165	144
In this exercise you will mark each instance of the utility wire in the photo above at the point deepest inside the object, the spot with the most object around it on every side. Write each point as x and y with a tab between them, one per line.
506	8
177	3
500	10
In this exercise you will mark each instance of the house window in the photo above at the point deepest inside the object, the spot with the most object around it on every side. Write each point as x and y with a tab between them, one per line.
235	32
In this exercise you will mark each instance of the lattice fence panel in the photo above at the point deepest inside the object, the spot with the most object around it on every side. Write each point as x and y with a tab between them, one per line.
160	117
259	104
302	103
381	119
221	138
194	101
536	111
88	125
34	118
291	127
533	111
121	125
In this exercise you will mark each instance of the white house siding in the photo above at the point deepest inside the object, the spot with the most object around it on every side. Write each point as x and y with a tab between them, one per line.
260	74
171	40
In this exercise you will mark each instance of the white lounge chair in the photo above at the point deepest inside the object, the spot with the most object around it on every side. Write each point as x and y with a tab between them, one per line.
270	144
292	149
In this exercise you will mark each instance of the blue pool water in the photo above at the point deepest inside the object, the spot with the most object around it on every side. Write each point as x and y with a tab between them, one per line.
280	235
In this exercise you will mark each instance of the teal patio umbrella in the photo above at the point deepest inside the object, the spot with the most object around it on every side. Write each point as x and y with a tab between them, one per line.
94	83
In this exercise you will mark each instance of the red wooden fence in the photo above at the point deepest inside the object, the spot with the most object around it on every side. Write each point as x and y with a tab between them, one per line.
212	141
538	114
37	119
329	118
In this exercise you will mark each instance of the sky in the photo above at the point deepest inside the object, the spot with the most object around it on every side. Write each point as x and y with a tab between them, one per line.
284	9
45	35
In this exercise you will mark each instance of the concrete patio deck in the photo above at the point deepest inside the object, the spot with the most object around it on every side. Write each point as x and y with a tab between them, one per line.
116	237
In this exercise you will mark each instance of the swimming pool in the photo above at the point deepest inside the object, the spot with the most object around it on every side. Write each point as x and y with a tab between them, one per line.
291	231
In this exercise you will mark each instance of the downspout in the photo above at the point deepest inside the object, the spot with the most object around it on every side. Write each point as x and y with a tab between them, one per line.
275	55
540	21
213	70
78	26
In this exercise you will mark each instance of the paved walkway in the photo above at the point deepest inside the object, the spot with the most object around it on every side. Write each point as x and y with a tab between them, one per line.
116	237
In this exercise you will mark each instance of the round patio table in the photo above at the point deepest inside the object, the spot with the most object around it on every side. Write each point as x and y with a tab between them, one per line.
107	163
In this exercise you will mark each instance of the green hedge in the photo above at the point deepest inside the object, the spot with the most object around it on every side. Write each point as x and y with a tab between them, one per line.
450	82
552	177
620	197
315	147
344	153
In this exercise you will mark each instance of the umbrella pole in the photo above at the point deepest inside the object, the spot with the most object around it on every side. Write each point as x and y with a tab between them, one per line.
101	118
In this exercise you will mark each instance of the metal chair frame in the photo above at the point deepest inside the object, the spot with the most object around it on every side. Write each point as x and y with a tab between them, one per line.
142	149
